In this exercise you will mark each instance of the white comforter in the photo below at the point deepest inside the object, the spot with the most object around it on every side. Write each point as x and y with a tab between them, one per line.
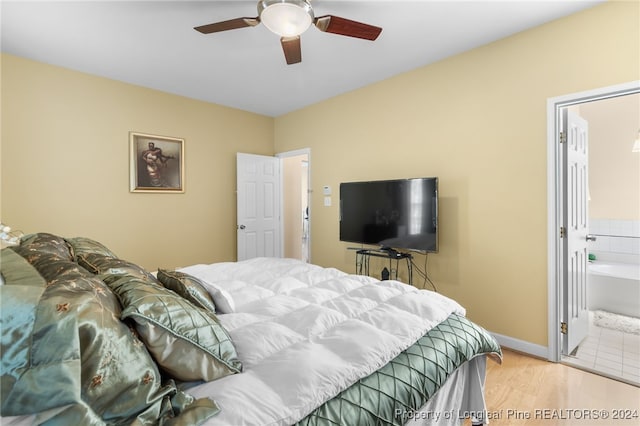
305	333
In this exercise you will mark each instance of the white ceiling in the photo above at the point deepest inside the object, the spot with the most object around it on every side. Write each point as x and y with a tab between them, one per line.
153	44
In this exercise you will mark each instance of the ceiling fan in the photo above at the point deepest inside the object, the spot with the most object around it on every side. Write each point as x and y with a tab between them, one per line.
289	19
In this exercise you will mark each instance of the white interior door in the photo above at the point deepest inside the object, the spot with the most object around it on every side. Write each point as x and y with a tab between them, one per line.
258	206
576	223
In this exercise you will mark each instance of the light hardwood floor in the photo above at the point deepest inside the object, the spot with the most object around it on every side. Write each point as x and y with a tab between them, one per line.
530	391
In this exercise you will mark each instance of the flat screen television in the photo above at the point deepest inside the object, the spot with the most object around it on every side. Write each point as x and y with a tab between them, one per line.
395	214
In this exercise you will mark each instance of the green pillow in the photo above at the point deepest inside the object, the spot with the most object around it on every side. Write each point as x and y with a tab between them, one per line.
17	271
187	342
83	245
187	286
64	345
111	268
40	244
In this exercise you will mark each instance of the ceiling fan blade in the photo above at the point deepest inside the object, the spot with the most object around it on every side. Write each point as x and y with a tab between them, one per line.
231	24
347	27
292	50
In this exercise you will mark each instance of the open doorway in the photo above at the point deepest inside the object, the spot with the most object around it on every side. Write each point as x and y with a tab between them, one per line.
611	232
296	217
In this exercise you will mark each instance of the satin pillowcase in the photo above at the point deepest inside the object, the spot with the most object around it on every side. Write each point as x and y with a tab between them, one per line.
50	329
221	298
187	286
187	341
84	245
111	268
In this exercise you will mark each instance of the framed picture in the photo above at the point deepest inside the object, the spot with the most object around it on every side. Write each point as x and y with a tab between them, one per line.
156	163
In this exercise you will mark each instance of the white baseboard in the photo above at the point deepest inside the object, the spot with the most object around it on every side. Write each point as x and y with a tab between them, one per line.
522	346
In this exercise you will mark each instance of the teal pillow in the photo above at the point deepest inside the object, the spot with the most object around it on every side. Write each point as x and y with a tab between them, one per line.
187	342
187	286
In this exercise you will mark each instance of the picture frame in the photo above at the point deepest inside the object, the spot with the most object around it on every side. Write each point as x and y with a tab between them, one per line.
156	163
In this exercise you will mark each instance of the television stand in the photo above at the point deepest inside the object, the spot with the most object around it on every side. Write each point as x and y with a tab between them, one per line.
363	256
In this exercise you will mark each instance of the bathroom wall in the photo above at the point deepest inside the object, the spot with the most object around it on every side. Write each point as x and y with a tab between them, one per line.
617	240
614	177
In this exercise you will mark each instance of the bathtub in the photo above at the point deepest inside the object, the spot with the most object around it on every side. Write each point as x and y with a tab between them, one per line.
614	287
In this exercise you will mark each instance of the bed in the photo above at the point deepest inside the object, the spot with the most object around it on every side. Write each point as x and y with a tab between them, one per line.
89	338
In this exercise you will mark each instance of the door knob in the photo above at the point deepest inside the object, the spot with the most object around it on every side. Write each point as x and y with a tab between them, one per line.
591	237
241	226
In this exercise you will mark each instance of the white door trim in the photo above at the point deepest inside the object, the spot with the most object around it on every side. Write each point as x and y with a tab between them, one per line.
554	198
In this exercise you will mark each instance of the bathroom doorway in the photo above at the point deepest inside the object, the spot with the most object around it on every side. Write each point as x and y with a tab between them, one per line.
610	343
296	218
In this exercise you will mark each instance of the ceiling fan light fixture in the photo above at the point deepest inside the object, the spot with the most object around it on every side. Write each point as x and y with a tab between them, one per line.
287	18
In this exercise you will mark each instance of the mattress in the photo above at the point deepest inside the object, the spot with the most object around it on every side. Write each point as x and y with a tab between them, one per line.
307	335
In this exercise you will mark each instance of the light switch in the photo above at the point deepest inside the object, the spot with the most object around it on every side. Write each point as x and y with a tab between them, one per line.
327	201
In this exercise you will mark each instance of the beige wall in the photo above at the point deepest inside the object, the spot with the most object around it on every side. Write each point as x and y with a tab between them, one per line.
614	171
65	164
478	122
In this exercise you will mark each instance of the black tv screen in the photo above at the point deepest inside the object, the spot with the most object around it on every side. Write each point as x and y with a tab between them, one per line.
397	214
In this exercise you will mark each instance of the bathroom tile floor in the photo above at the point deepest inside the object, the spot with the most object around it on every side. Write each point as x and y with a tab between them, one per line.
612	353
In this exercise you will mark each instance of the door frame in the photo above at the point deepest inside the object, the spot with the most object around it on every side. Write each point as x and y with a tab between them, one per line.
296	153
555	197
